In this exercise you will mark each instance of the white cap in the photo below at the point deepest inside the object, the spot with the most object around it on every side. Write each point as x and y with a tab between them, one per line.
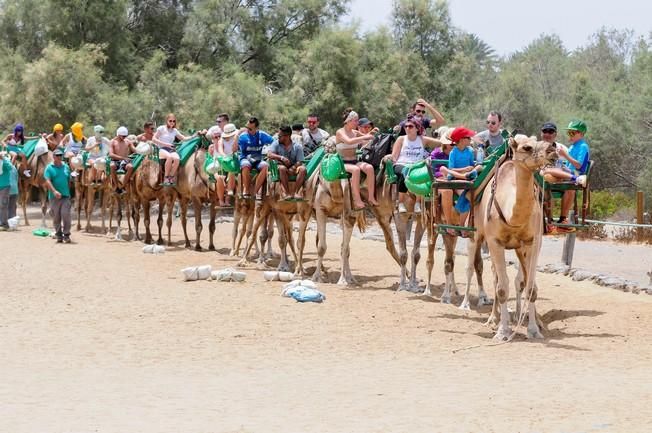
122	131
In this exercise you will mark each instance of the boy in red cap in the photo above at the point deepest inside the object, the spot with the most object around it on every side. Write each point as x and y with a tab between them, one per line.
461	165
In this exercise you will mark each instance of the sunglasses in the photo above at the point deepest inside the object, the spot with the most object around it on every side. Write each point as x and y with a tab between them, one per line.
172	121
312	122
491	122
548	131
58	156
420	111
409	125
571	133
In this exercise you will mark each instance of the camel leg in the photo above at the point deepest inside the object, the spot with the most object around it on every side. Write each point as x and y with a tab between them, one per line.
269	254
168	222
197	205
251	241
520	279
159	220
346	277
416	256
43	195
497	253
135	215
449	267
211	226
401	230
321	245
118	235
24	193
148	233
234	231
299	271
430	261
474	265
79	195
90	204
103	205
183	209
129	211
281	223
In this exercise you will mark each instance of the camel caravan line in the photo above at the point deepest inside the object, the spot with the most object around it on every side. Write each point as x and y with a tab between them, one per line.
506	212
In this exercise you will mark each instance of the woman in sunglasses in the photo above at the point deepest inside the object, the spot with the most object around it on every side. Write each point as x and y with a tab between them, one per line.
165	137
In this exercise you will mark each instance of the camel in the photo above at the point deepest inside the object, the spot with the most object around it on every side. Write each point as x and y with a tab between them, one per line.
510	217
85	191
193	186
146	186
121	201
37	165
333	199
283	212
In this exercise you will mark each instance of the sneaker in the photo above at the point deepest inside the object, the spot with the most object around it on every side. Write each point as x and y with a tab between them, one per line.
402	208
471	175
74	174
581	181
59	239
27	173
66	239
417	207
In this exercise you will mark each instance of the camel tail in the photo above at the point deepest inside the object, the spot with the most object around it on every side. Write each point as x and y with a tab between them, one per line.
361	221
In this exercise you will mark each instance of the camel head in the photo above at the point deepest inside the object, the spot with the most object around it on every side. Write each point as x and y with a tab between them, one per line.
534	154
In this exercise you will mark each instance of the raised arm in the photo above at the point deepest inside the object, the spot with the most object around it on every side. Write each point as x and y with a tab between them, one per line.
343	138
437	118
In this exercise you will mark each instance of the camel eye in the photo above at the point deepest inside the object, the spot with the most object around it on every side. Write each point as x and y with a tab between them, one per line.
527	148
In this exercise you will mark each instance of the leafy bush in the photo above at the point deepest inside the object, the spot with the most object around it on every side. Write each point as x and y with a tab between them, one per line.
605	204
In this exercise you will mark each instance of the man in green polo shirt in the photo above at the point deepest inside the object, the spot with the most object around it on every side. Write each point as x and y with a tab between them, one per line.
57	178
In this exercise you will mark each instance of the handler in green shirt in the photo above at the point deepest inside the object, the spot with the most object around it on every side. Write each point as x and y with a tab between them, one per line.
57	177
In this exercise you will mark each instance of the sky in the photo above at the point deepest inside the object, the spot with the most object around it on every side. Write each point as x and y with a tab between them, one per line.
510	25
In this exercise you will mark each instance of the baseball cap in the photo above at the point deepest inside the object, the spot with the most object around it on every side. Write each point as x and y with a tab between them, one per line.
549	125
98	128
364	122
577	125
58	151
122	131
461	132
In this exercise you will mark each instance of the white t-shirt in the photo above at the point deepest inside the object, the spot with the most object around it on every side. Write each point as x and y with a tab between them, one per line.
100	151
167	135
411	151
312	140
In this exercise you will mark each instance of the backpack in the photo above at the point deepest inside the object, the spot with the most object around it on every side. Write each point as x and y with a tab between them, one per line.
380	147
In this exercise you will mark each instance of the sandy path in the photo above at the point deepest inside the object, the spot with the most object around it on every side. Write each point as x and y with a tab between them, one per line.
98	337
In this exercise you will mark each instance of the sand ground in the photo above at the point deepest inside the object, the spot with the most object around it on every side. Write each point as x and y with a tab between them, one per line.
98	337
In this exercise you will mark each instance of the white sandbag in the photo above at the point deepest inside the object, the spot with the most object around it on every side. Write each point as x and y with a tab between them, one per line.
270	275
285	276
194	273
229	274
144	148
100	164
14	222
214	167
41	147
76	163
154	249
238	276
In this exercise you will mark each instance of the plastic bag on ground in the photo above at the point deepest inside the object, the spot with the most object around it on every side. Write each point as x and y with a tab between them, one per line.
14	222
194	273
307	295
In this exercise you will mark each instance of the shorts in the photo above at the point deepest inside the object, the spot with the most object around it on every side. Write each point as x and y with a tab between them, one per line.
121	164
256	166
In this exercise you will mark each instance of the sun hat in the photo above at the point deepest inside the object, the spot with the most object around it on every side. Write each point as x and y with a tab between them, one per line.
57	127
77	130
577	125
58	151
98	128
444	134
229	130
461	132
122	131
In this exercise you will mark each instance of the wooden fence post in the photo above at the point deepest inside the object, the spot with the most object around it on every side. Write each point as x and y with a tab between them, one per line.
569	243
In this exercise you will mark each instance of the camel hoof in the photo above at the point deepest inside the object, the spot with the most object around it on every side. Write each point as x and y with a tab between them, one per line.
284	268
211	247
465	305
198	248
427	292
244	263
503	334
484	300
446	299
534	333
232	253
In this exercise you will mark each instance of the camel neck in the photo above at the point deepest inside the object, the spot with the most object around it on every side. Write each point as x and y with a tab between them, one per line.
524	195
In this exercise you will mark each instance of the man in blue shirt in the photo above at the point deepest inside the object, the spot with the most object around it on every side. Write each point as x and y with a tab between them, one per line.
577	160
57	181
250	146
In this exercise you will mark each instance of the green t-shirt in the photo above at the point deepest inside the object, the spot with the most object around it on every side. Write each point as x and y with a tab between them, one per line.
60	178
5	177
